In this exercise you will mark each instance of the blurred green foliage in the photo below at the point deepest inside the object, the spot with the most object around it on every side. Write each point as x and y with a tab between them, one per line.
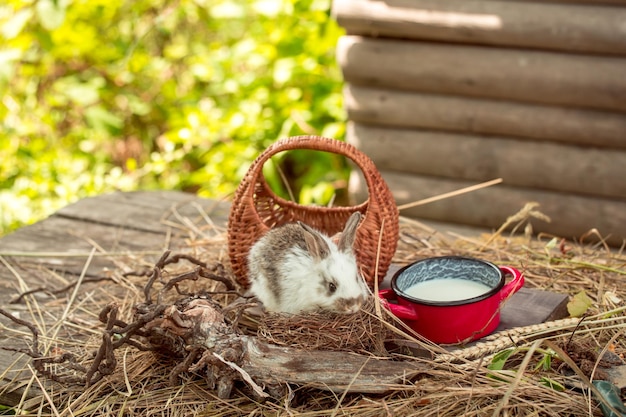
103	95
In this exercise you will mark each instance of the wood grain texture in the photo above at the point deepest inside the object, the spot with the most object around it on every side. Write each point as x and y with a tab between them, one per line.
335	371
572	215
531	306
565	27
114	223
407	109
548	166
153	211
477	71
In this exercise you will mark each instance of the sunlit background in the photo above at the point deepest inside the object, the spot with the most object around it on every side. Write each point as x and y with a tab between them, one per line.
105	95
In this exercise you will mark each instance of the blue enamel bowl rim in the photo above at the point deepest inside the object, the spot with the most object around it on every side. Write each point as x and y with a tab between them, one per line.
464	301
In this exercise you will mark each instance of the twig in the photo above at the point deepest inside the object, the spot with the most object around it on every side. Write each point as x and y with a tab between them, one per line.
156	273
68	287
104	352
184	365
191	275
224	280
34	351
523	215
451	194
257	389
40	362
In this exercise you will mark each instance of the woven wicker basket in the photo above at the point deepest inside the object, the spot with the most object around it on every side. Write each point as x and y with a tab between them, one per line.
256	209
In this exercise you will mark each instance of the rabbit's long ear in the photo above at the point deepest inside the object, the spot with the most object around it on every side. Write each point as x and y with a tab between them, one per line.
349	233
315	243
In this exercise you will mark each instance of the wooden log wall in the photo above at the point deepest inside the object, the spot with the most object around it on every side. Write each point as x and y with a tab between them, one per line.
596	172
571	80
586	28
571	214
448	93
577	126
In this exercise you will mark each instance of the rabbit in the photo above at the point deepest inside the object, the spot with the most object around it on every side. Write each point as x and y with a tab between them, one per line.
296	269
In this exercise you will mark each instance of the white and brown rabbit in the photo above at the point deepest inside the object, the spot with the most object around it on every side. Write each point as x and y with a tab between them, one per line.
295	268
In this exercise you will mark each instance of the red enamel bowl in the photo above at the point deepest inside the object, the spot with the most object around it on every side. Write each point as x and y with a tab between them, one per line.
458	320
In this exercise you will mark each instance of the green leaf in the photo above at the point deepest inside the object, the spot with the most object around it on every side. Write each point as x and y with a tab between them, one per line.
611	395
551	383
579	304
499	359
546	361
6	410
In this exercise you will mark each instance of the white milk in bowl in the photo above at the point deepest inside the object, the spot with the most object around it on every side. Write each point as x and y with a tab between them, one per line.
452	289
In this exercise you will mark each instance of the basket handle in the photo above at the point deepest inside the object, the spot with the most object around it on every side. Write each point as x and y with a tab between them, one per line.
316	143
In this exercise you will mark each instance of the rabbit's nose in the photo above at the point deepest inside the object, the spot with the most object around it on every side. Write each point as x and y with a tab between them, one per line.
350	305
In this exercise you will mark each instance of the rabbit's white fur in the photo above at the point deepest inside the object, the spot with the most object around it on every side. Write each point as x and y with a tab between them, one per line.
295	268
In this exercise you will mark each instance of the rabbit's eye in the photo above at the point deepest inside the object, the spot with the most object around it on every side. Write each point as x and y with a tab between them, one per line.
332	287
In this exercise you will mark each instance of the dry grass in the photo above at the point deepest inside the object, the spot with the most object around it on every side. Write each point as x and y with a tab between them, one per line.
458	383
363	332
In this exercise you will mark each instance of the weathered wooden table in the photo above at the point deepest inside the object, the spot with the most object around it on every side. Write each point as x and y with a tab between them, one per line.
87	238
57	249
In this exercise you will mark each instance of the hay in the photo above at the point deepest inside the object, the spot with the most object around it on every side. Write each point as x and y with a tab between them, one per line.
546	370
362	332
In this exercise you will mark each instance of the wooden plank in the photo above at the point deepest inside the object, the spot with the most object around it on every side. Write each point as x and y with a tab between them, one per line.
572	215
153	211
531	306
339	372
565	27
54	252
115	223
63	244
540	165
509	74
394	108
118	223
